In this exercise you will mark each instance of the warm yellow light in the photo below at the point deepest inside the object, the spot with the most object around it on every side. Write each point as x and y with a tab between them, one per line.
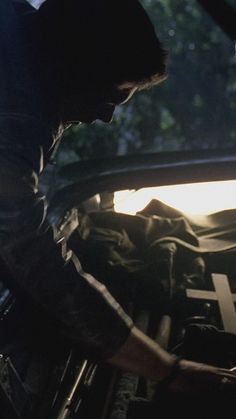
195	198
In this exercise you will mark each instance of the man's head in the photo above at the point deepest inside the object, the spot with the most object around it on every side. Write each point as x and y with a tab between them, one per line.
102	49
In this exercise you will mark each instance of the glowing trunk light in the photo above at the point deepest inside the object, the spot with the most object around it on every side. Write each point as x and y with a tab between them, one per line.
195	198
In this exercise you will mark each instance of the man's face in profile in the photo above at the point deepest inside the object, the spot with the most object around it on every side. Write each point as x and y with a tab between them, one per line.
100	104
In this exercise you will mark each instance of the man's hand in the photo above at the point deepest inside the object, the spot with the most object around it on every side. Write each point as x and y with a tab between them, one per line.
196	378
144	357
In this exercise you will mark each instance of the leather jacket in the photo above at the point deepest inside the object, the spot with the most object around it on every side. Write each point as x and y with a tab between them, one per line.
82	308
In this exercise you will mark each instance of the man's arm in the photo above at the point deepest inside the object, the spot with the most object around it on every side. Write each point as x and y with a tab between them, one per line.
144	357
79	307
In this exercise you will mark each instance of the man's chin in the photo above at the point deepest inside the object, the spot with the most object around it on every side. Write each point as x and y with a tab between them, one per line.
107	120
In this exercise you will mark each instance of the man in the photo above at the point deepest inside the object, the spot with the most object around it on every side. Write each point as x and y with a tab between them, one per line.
73	61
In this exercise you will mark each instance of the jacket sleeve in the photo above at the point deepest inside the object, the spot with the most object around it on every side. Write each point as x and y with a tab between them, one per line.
81	307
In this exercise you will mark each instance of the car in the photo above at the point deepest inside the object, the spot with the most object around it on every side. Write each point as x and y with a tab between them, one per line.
201	309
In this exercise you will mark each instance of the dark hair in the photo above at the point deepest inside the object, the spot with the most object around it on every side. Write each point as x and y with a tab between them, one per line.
103	41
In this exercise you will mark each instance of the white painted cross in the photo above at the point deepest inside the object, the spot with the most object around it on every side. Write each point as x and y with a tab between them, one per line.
225	298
